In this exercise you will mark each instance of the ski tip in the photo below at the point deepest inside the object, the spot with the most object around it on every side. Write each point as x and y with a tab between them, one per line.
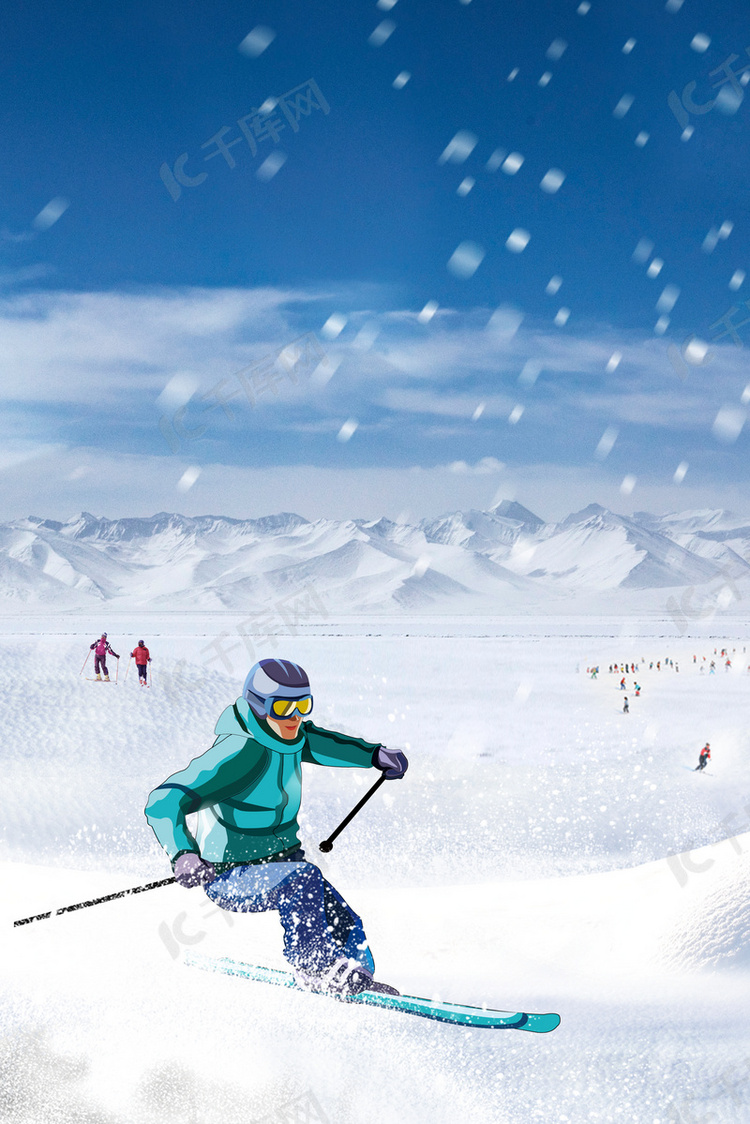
537	1023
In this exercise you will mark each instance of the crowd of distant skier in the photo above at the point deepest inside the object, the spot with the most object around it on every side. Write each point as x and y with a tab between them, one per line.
721	658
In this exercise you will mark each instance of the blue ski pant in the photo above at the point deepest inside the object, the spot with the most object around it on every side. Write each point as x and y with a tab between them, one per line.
319	927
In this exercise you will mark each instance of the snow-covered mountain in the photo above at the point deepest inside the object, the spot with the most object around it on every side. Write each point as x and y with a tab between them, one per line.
472	561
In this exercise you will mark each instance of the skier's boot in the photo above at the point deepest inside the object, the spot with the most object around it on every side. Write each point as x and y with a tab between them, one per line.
344	979
106	679
99	677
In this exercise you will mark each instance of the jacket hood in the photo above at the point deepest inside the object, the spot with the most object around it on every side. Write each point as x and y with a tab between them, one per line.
248	726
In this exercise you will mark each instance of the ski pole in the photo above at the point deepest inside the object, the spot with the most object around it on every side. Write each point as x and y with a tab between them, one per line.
95	901
327	844
128	668
85	661
117	671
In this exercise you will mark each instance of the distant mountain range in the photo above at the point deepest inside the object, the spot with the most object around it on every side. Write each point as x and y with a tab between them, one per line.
506	558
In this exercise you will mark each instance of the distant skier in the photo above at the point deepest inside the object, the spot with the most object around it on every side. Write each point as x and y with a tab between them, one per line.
712	668
625	707
703	758
142	660
622	684
100	648
637	690
246	851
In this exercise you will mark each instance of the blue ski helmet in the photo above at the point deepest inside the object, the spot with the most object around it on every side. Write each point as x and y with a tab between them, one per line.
274	679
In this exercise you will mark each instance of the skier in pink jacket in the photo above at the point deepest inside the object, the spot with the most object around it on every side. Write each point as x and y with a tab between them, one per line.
100	648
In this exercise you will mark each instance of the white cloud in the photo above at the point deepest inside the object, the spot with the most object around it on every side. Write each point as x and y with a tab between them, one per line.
99	347
115	353
15	453
102	349
60	483
24	273
423	401
487	466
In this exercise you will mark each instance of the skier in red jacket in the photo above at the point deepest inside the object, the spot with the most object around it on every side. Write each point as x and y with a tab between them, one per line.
142	660
703	759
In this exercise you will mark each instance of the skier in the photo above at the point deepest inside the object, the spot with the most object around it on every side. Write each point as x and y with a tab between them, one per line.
625	707
100	648
637	690
703	758
246	851
622	684
142	660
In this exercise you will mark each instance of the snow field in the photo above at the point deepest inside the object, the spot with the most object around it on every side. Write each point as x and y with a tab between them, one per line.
530	858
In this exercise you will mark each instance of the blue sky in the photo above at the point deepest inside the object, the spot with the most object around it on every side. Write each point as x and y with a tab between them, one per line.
123	287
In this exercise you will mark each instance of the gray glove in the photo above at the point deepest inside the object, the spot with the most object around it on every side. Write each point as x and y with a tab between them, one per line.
191	870
392	761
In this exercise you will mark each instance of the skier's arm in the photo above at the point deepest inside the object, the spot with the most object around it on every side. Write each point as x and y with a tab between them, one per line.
327	747
217	774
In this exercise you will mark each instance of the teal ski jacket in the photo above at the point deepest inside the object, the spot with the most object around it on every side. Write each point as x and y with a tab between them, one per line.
246	789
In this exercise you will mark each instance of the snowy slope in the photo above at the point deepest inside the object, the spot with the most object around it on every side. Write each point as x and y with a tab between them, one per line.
544	851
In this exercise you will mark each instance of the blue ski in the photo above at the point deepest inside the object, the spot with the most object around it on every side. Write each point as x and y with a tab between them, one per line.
409	1004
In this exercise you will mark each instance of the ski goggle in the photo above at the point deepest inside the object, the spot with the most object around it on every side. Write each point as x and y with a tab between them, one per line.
285	708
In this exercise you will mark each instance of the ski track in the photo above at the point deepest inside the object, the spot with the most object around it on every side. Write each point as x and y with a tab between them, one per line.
523	862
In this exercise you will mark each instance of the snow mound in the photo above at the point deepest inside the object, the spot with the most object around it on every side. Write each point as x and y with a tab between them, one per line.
714	932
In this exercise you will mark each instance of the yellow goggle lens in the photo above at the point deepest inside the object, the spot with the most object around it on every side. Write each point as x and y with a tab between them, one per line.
284	708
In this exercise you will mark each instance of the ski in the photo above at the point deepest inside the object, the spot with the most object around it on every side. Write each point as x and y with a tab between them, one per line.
89	679
456	1013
